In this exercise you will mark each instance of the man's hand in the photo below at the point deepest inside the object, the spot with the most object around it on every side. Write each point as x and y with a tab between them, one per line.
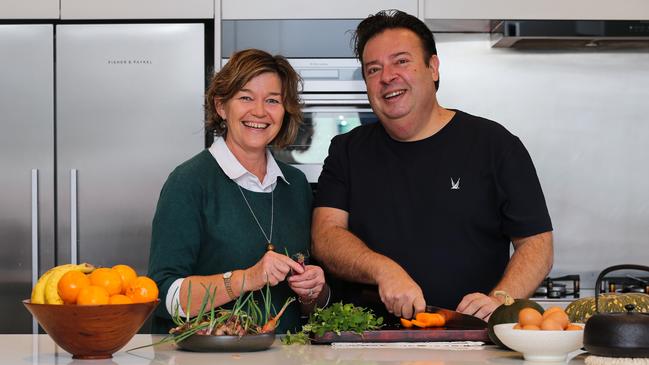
400	294
346	256
478	305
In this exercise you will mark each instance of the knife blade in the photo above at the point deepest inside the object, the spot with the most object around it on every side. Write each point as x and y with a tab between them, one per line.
456	319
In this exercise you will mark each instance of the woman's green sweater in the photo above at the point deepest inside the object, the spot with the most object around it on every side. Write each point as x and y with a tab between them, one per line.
202	226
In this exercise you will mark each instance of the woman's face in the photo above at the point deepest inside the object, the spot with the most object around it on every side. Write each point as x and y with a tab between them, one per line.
254	114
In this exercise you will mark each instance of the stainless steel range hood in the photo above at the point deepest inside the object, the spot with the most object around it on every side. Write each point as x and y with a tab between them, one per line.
559	34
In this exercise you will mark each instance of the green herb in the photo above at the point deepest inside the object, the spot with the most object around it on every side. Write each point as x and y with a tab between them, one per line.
343	317
337	318
298	338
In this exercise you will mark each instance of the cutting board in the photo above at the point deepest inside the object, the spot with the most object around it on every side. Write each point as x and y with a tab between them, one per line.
406	335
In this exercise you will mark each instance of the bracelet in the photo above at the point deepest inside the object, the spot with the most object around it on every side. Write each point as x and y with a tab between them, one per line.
310	301
299	299
328	297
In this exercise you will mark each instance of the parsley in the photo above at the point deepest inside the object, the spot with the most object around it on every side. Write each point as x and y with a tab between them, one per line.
337	318
343	317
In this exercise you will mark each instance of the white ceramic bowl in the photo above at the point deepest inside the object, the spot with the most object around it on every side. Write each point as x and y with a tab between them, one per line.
540	345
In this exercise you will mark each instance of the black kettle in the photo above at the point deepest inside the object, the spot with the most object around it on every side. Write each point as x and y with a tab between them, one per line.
623	334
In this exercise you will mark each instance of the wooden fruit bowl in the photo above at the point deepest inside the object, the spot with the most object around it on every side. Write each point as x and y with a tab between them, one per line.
93	331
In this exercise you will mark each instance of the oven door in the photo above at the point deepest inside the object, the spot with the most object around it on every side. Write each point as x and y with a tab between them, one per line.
324	118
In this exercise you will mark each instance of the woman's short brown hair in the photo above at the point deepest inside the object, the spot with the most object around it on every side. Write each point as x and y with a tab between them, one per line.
242	67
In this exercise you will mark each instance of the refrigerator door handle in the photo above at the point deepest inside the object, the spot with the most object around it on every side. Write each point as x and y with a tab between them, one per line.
34	237
73	216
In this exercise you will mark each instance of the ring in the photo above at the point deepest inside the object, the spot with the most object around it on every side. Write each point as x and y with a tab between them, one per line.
310	294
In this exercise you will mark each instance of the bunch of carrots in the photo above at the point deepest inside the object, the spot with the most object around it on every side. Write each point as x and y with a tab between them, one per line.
424	320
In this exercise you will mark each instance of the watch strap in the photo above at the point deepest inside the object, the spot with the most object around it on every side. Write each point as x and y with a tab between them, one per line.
227	280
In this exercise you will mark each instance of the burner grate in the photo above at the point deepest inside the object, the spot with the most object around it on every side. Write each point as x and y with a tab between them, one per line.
625	284
559	287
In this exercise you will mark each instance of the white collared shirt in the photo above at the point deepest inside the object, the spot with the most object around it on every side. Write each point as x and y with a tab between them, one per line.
245	179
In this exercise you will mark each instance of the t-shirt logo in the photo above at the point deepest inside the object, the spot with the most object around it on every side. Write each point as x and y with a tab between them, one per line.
455	185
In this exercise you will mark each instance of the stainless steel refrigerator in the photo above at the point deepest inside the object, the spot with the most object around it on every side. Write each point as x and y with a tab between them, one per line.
92	120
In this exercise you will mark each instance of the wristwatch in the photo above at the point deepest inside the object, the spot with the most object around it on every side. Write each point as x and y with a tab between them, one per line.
228	284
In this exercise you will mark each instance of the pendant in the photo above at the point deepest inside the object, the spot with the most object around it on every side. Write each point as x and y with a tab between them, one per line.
270	247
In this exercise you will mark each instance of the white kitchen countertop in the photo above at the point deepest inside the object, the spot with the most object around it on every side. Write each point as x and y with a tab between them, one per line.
41	350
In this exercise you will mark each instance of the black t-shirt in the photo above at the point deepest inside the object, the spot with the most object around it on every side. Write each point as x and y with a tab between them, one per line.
444	208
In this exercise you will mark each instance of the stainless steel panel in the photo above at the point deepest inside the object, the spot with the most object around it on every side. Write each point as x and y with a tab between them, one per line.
26	143
129	109
329	76
295	38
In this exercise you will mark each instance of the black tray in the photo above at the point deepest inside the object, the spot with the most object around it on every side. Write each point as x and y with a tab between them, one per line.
211	343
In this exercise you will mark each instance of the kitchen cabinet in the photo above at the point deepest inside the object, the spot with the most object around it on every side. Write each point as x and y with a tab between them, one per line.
141	9
546	9
301	9
32	9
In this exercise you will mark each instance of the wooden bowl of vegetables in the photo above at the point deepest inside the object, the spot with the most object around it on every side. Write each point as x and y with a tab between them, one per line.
91	331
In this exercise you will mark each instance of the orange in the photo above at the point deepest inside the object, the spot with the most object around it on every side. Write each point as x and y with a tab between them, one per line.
119	299
71	284
127	274
107	278
93	295
142	290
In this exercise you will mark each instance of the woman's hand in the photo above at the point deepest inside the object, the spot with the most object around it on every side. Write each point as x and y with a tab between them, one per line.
272	268
309	284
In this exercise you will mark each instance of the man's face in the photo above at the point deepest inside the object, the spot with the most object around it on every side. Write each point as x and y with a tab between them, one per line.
400	86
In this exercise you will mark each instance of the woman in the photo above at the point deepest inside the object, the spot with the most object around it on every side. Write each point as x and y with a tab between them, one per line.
226	217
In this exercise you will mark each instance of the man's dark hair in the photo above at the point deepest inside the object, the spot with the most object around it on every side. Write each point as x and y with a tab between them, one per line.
393	19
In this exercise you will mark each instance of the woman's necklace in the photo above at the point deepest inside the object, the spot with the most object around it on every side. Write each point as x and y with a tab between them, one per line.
269	245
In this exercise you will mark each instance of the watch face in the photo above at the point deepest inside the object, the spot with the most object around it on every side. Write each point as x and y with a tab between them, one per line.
227	275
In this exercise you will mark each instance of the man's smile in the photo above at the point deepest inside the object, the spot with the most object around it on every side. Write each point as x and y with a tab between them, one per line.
393	94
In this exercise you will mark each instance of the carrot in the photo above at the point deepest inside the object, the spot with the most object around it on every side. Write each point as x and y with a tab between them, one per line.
406	323
431	319
272	323
419	324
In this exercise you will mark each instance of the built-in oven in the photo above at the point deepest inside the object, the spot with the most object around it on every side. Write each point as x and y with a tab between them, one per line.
320	124
335	102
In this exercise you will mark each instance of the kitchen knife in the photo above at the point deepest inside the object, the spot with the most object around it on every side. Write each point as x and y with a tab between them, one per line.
456	319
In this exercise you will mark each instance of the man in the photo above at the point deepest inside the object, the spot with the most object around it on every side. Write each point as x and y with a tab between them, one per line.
423	205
